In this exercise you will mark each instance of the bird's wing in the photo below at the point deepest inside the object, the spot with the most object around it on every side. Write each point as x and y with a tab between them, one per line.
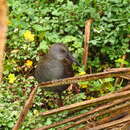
68	70
48	69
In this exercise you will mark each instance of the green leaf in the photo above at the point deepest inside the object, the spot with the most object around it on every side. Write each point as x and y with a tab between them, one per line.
122	61
43	46
10	124
69	39
48	121
38	27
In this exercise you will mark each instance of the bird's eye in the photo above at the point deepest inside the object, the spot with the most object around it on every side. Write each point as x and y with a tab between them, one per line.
63	51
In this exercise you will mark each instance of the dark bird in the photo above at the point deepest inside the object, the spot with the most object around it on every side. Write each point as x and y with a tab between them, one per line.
56	64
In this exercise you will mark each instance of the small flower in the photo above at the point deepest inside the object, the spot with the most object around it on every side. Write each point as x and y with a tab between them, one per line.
11	78
29	63
90	98
29	36
82	73
36	112
83	85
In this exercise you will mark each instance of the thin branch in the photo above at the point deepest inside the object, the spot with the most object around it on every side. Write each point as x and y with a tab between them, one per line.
112	73
110	124
92	117
68	81
3	30
124	107
86	42
26	107
101	108
125	126
127	87
115	111
121	110
124	76
88	102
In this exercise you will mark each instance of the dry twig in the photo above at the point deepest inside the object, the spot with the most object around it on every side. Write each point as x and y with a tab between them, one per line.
109	124
101	108
77	105
86	42
3	29
113	73
127	87
89	102
26	107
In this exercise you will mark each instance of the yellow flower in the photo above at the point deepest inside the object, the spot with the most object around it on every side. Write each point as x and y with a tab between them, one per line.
36	112
29	36
29	63
11	78
82	73
83	85
90	98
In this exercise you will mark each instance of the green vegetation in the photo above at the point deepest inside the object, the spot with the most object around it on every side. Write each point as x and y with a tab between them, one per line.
36	24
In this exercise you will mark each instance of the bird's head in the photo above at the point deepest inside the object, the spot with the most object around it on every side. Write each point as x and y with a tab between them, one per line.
60	52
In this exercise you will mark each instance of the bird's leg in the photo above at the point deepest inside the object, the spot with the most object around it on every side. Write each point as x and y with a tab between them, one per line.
60	100
74	88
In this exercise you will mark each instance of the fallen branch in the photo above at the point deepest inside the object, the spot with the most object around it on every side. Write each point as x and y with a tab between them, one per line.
110	124
113	73
26	107
101	108
121	111
127	87
125	126
118	109
86	103
124	76
28	103
93	117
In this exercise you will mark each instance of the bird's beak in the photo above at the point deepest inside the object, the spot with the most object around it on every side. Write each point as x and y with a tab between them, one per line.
71	58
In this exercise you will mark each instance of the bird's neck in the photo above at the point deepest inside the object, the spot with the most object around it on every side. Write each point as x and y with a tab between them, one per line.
52	56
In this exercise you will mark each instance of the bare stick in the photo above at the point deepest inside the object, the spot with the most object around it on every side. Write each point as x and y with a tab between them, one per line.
65	81
91	117
123	107
113	123
101	108
86	42
86	103
127	87
26	107
115	113
125	126
3	29
112	73
124	76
